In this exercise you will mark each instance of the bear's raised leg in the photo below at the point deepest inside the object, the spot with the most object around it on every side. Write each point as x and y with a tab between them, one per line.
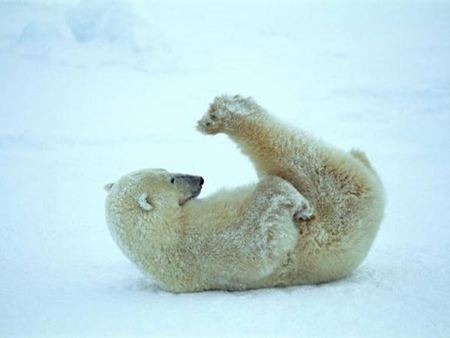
266	231
274	148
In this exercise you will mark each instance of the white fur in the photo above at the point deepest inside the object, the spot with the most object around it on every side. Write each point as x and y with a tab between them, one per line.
311	218
143	203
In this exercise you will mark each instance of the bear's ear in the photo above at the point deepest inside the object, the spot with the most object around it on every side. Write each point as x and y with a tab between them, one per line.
144	202
108	187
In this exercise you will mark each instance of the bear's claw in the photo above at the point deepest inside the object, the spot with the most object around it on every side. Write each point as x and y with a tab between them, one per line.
304	212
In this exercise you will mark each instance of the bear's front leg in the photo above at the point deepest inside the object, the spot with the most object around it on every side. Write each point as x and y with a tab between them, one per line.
267	230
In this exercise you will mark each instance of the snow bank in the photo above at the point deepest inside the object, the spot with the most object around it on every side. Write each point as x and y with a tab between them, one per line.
89	33
109	22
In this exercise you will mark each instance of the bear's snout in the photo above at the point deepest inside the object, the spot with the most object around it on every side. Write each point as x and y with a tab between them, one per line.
191	179
190	185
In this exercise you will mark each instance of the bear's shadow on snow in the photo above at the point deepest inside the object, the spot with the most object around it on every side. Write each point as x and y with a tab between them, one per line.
361	277
142	284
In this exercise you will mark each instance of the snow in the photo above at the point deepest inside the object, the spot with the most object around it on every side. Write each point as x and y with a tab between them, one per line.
91	90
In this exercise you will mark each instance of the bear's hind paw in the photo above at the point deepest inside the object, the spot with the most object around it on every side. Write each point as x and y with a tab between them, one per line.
224	113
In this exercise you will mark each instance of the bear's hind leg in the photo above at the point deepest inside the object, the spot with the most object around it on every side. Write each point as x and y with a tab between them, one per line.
274	148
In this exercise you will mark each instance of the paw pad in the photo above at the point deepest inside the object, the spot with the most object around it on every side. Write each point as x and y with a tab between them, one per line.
224	111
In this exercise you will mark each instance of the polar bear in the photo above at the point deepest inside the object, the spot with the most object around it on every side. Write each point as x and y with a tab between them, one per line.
311	218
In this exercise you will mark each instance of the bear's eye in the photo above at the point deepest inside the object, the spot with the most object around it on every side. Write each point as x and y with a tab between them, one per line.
213	117
172	180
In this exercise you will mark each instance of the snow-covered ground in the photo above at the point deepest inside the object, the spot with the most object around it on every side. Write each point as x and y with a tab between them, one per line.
92	90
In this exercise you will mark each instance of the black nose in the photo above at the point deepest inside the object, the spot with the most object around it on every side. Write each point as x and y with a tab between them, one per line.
202	181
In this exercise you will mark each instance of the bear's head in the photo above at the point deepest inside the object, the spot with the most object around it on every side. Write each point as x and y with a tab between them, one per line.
143	210
150	189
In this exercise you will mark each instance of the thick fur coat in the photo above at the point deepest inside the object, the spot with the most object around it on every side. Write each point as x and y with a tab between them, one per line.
311	218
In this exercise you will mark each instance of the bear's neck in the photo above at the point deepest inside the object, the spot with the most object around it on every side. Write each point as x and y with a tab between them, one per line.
146	240
219	211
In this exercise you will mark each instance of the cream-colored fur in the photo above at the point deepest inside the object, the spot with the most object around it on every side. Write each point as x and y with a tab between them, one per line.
311	218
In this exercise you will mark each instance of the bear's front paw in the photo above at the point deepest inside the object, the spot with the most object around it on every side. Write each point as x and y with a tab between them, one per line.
304	212
224	112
